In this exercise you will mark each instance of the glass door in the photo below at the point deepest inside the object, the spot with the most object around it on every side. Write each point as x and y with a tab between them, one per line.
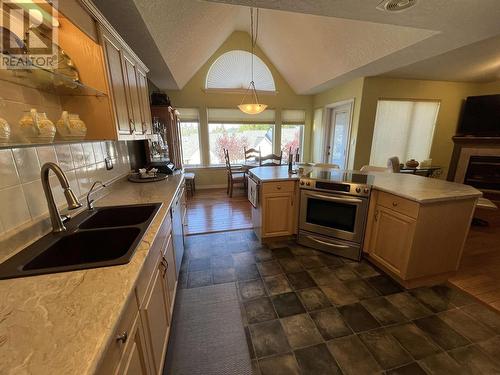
339	135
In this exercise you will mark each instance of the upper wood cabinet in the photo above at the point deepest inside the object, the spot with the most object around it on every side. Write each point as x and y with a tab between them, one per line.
129	89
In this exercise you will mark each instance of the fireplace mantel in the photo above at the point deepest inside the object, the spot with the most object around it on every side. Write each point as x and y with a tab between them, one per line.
464	148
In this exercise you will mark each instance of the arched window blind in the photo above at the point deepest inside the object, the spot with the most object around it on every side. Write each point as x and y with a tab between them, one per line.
232	70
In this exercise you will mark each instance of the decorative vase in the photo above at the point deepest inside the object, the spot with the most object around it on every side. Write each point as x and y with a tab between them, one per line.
412	163
36	127
71	127
4	132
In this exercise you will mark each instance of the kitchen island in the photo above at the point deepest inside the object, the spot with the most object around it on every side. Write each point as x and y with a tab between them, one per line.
414	228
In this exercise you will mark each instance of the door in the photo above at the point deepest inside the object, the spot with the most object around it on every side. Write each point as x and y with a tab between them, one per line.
134	361
392	239
143	91
156	318
277	215
333	215
118	82
134	109
339	131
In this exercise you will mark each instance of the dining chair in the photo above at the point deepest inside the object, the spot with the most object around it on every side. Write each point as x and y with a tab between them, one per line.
252	155
234	175
393	164
271	160
373	168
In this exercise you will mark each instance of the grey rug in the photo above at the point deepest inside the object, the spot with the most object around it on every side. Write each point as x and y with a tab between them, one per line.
207	336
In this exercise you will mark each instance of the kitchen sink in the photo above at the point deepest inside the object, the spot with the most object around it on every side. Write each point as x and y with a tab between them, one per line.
103	236
119	216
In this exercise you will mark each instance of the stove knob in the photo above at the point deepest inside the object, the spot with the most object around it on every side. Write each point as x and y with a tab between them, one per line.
302	183
308	183
366	190
358	190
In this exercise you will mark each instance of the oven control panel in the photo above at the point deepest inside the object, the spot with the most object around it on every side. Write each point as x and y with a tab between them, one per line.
362	190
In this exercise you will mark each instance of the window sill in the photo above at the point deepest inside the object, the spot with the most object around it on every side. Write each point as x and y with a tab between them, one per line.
201	167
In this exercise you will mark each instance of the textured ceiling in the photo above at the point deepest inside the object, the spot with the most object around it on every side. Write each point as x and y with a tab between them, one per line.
317	44
478	62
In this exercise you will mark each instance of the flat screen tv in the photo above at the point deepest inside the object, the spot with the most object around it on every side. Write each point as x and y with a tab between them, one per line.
481	116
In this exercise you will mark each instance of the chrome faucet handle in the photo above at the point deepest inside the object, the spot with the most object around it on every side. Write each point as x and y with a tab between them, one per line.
90	202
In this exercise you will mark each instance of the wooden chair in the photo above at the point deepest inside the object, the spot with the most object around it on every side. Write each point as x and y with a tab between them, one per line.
393	164
234	176
271	160
252	155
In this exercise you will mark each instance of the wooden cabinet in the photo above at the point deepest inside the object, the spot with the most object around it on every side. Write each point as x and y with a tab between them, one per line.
417	243
155	314
118	84
170	276
129	89
135	361
392	238
276	214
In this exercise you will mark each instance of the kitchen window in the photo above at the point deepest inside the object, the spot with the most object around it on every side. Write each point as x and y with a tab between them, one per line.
233	130
292	132
190	136
403	128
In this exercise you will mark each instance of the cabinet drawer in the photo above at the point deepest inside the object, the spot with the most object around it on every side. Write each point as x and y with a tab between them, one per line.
278	187
123	330
151	262
398	204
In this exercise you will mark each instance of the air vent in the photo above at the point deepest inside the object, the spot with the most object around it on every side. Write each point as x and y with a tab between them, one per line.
396	5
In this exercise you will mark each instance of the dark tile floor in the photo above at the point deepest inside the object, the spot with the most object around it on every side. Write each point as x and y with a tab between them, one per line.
306	312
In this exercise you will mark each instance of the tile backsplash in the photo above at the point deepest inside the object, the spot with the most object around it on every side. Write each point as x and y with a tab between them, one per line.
22	199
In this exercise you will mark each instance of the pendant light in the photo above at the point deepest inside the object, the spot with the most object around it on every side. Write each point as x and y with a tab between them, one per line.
253	107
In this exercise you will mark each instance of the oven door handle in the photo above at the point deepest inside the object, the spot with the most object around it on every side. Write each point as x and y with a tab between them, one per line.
335	199
327	243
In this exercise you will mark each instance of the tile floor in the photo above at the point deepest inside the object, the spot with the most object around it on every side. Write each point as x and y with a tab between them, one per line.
306	312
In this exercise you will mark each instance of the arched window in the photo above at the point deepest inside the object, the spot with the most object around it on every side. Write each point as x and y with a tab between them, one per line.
232	70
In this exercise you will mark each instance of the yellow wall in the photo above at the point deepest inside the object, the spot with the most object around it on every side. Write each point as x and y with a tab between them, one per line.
450	94
349	90
193	95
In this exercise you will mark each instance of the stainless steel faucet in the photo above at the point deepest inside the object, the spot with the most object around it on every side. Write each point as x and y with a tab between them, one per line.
71	199
90	203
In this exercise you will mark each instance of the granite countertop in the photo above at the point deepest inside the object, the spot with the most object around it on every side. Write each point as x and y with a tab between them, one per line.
416	188
61	323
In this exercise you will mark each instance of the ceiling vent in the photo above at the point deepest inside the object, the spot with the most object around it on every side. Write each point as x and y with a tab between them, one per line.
396	5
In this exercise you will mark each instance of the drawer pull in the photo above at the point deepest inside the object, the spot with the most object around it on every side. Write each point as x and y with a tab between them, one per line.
376	215
123	337
395	204
278	187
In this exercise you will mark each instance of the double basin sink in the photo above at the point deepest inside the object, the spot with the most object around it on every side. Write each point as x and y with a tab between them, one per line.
103	236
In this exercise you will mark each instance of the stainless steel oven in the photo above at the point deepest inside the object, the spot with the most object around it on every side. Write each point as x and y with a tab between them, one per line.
333	214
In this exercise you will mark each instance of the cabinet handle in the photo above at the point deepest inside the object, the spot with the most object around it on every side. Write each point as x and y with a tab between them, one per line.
132	126
278	187
123	337
394	204
376	215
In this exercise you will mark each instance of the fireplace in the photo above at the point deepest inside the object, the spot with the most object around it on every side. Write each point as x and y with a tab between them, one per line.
483	172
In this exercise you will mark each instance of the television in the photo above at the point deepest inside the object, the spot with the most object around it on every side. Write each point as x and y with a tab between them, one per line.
481	116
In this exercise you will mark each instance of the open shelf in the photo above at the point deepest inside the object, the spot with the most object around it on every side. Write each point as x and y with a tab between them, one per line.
48	81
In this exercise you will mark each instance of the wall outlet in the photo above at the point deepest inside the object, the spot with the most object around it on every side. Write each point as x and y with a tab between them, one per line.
109	163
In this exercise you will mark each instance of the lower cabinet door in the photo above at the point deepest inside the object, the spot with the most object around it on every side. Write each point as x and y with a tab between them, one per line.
156	319
135	359
277	211
171	275
392	239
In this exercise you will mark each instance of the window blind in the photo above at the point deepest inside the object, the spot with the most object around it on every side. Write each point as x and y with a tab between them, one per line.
235	116
293	116
404	129
189	114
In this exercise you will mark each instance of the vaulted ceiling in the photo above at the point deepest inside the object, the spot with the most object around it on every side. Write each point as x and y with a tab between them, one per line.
315	44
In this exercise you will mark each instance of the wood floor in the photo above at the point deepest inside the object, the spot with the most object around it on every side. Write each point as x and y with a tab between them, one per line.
479	272
212	210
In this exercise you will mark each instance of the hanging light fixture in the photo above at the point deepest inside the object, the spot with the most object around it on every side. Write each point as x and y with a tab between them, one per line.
253	107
